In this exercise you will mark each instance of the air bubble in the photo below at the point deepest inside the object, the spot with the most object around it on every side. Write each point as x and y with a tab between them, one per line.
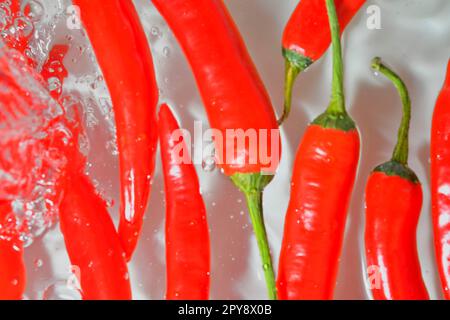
155	32
209	164
166	52
38	263
34	10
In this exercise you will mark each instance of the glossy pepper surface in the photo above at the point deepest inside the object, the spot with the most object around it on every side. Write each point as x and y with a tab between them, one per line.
92	242
12	267
124	57
321	187
440	183
187	235
306	37
234	97
393	204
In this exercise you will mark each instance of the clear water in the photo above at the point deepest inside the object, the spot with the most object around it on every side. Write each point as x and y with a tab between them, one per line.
413	39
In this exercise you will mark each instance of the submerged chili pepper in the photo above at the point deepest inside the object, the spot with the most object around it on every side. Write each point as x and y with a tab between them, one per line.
12	267
92	242
187	235
234	98
440	183
23	114
393	204
124	57
307	37
322	183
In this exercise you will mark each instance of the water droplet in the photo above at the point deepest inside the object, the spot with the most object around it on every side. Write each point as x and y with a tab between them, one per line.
166	52
54	85
208	164
155	32
38	263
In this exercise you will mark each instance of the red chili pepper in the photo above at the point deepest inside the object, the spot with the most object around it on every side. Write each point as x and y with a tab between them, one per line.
233	95
307	37
187	235
440	183
12	267
123	54
322	184
393	204
92	242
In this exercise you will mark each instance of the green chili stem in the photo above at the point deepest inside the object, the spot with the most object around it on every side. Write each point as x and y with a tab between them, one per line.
254	202
291	73
400	153
337	104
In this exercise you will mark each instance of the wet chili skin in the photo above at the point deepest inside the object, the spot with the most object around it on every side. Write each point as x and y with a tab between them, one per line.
440	183
306	37
393	204
187	234
124	56
321	186
234	98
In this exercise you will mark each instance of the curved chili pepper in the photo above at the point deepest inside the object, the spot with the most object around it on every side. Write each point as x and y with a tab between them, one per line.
440	183
92	242
12	267
393	204
124	57
187	236
234	98
307	37
322	183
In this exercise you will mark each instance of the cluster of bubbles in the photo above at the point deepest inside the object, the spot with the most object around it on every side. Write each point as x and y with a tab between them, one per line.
34	209
30	157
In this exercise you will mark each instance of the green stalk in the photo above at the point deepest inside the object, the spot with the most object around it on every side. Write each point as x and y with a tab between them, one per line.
400	153
294	64
290	75
252	185
337	104
254	202
335	116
